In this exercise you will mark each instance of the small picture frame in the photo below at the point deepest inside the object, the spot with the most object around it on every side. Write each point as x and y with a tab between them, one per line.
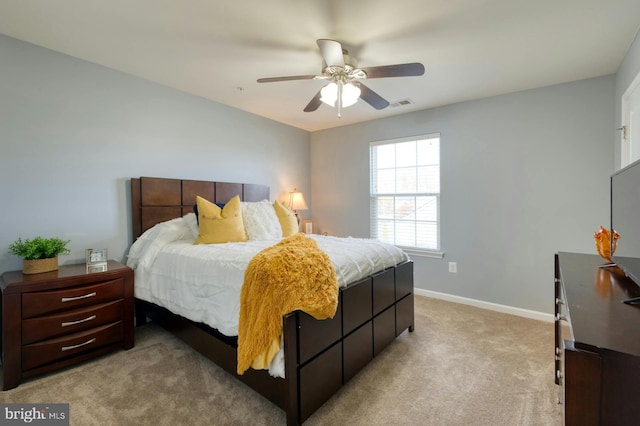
95	256
96	260
307	226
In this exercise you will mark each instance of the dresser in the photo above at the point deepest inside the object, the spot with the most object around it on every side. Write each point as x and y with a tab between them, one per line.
597	339
59	318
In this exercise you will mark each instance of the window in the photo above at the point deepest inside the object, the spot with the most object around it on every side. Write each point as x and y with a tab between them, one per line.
405	192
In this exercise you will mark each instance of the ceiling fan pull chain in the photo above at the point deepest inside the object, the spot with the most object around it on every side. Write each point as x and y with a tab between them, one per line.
339	100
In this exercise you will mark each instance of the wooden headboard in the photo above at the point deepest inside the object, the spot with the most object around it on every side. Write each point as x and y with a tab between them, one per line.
155	200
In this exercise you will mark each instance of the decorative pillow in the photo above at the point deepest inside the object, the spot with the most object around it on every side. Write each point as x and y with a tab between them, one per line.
195	210
218	225
260	221
287	219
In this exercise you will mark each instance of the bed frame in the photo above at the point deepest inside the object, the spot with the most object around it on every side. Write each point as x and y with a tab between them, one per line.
320	356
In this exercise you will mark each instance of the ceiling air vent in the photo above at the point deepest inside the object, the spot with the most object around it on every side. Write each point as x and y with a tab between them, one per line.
402	102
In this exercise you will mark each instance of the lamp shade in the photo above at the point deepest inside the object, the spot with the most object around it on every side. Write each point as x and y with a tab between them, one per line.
350	94
296	201
329	94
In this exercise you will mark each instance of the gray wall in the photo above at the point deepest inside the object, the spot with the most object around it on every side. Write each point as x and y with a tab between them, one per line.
73	133
523	175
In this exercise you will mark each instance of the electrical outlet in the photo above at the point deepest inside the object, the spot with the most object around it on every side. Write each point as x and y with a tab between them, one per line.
453	267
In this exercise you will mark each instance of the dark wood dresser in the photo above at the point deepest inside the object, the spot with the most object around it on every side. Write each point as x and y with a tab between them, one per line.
55	319
597	341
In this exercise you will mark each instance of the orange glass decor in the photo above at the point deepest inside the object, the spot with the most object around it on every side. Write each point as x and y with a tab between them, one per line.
606	243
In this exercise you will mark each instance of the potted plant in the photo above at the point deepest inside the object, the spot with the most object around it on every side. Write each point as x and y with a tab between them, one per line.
39	254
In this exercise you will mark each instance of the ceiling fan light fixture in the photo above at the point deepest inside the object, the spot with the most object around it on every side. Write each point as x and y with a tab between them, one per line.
350	94
329	94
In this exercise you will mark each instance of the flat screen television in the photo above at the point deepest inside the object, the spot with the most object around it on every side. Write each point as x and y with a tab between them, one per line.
625	220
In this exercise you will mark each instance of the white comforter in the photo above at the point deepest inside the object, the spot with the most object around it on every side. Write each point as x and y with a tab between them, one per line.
203	282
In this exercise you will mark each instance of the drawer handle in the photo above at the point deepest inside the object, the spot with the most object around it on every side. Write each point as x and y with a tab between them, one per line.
88	342
67	324
70	299
560	317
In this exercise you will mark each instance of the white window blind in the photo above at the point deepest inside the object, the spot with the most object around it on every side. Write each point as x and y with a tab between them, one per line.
405	191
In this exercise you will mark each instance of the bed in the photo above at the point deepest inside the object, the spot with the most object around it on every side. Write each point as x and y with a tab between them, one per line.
318	356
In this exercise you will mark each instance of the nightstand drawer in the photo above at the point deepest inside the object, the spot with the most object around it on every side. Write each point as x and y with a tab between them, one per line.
40	328
47	351
42	302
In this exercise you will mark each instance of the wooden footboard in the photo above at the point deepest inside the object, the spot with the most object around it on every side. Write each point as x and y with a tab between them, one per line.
320	356
327	354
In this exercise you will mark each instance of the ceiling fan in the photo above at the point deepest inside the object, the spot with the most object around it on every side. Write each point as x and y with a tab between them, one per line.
344	87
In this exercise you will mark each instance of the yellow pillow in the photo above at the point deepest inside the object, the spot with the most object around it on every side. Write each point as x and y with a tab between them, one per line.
218	225
287	219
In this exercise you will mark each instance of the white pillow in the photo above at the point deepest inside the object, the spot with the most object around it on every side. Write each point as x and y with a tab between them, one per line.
145	248
260	221
191	222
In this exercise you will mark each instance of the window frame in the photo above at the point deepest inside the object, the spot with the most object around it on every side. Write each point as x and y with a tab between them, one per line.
374	195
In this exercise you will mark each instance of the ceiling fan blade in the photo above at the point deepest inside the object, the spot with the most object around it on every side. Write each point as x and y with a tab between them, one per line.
314	104
292	77
331	52
371	97
399	70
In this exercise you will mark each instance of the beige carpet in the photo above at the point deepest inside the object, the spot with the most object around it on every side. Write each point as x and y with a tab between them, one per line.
461	366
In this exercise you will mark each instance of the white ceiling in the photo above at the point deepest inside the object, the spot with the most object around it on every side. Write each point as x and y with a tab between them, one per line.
217	49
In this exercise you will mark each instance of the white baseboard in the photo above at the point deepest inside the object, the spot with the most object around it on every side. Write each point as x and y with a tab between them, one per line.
541	316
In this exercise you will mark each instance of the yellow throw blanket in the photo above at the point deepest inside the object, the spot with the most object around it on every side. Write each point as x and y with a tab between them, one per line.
291	275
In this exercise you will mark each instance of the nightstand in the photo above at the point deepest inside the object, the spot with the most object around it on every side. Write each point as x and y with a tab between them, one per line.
59	318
